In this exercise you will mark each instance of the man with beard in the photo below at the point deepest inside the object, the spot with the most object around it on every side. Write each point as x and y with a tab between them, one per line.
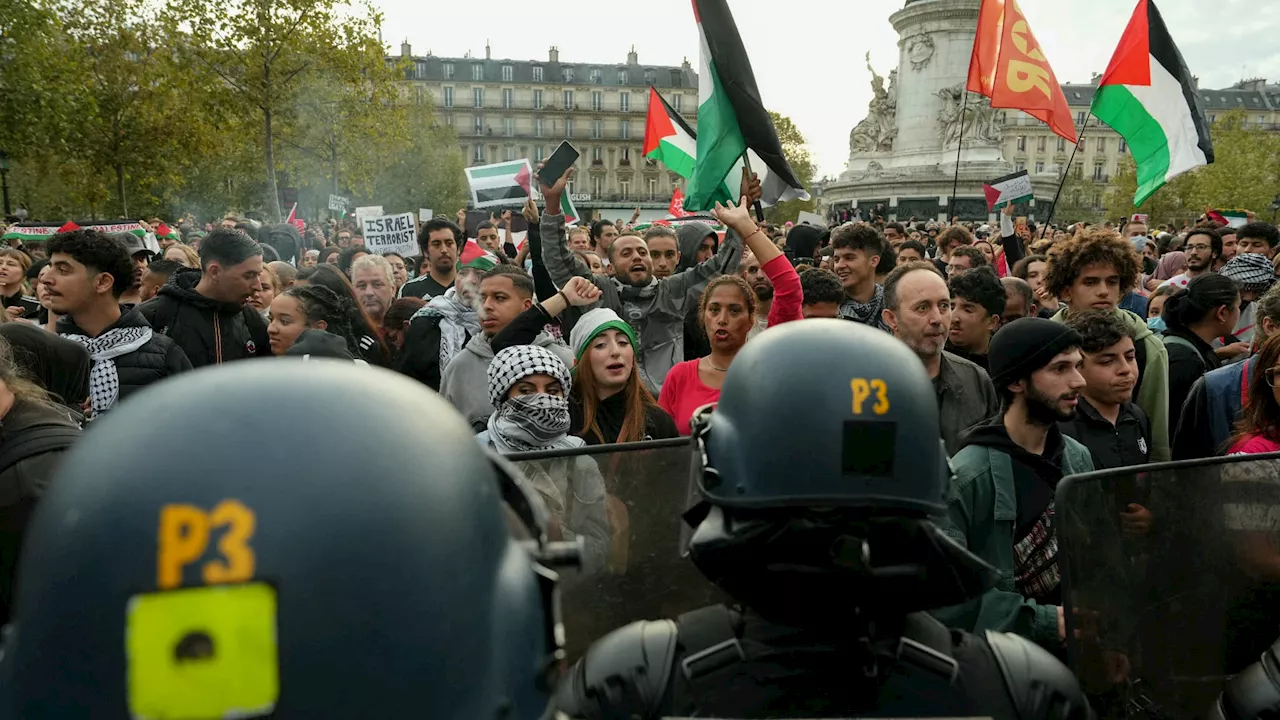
443	327
1203	248
438	240
978	301
664	249
1004	479
918	309
655	308
374	283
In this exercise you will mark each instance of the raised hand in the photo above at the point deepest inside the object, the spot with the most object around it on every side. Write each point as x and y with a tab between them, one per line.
506	216
737	216
558	188
580	291
530	211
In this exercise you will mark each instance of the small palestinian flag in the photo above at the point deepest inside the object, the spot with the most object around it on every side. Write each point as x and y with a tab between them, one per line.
505	183
477	257
1148	96
570	212
1008	190
668	138
164	231
1231	218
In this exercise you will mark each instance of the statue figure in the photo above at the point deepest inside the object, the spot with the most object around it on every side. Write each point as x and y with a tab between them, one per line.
877	132
975	118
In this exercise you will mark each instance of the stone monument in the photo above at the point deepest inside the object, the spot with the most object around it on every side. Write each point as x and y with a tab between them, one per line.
903	154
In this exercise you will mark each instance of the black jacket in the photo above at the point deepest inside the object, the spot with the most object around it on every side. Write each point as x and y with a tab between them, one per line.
320	344
208	331
610	416
1124	444
1186	365
419	356
159	358
61	366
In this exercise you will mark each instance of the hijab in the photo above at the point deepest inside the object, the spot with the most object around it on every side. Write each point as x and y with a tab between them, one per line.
1170	265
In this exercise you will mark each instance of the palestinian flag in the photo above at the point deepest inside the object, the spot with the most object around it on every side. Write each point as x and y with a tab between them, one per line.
731	116
1008	190
1231	218
668	138
164	231
29	233
505	183
570	212
1147	95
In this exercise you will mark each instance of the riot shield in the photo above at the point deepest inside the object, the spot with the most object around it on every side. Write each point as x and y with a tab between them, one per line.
1171	580
625	502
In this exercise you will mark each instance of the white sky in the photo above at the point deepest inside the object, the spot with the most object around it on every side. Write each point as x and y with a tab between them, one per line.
808	54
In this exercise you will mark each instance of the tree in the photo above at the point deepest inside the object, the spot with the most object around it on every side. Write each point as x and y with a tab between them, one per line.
266	50
795	149
429	172
1079	200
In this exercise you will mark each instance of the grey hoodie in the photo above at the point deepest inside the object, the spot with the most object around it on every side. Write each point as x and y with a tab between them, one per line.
657	310
690	236
465	380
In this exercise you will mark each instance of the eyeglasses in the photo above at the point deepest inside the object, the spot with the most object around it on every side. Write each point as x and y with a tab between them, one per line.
1270	376
1199	247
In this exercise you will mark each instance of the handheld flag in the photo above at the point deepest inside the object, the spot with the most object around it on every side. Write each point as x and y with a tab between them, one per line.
507	183
1008	66
293	219
1008	190
668	138
731	117
1147	95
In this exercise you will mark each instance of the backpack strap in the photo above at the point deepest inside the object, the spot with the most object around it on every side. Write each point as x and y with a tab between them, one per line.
709	638
34	440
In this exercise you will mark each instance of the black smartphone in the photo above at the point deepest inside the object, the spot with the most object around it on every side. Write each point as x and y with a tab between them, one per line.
561	160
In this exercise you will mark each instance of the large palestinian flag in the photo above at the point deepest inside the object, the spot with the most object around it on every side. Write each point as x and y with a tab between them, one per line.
29	233
1147	95
731	117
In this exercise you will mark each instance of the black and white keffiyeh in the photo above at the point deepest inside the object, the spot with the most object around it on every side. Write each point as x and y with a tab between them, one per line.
1250	272
104	383
868	313
521	361
458	323
528	422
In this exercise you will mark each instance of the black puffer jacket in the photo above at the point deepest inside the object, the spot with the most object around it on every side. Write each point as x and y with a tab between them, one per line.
208	331
159	358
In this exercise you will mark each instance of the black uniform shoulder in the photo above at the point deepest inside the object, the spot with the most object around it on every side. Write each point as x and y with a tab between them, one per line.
624	674
1040	685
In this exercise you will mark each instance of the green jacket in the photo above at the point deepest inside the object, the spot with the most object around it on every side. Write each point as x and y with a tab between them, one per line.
1153	393
981	515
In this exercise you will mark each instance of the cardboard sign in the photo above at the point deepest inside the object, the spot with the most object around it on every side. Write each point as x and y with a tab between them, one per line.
808	218
391	233
367	212
425	214
339	203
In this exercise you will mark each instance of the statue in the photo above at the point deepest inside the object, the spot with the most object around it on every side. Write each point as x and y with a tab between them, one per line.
974	117
877	132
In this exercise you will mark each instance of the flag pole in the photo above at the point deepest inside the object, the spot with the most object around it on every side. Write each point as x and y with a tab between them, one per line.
955	183
746	163
1054	207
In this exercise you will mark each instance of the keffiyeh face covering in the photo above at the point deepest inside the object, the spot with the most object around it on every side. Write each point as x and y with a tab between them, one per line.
527	422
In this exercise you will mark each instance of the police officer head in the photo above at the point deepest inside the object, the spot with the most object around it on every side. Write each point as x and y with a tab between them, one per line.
820	469
226	563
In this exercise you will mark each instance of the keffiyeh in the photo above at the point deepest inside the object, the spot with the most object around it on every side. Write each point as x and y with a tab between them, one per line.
520	361
528	422
104	382
868	313
1250	271
459	322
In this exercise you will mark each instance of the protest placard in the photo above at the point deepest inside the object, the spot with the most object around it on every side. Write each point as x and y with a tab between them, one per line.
391	233
367	212
500	184
425	214
339	203
809	218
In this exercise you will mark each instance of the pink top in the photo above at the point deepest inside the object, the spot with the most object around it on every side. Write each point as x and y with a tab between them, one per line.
683	392
1254	445
787	293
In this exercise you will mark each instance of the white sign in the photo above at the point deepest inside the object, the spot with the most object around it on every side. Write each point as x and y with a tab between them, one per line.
367	212
809	218
425	214
391	233
339	203
1139	218
580	197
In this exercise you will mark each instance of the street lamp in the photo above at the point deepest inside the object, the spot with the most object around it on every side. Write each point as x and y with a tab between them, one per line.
4	179
1275	208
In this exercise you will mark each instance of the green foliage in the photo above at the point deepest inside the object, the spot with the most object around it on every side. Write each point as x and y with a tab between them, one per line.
797	153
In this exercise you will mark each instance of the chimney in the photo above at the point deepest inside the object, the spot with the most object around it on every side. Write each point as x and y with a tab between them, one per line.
405	50
555	54
487	53
1195	82
632	57
686	65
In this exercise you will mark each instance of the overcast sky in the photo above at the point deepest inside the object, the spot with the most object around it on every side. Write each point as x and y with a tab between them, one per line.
808	57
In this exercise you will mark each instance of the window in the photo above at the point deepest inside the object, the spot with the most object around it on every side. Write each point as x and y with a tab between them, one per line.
568	127
568	99
448	97
675	102
622	77
479	156
537	73
676	78
624	102
506	98
1102	145
597	155
419	70
508	127
649	77
508	153
1022	143
1261	120
1080	117
1078	171
477	97
1097	172
1062	144
537	99
537	127
1124	147
597	186
448	71
597	128
1020	166
479	124
508	72
1040	143
625	187
537	153
477	72
653	188
626	153
1039	167
566	74
624	129
597	101
595	76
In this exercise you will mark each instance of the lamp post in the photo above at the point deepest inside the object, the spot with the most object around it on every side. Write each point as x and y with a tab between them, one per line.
4	179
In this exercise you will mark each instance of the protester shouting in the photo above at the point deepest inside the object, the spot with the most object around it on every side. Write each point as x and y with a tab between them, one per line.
90	273
527	387
441	329
206	313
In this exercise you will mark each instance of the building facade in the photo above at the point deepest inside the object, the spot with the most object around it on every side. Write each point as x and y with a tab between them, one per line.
514	109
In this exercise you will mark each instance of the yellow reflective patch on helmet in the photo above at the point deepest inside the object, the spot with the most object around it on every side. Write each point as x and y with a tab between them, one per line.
205	652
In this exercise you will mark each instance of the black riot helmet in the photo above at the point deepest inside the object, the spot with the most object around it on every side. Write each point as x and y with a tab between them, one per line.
825	413
197	557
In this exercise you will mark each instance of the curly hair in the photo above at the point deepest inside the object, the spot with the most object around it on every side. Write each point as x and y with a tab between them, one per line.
954	236
748	296
99	253
821	286
1097	245
1098	329
981	286
319	303
858	236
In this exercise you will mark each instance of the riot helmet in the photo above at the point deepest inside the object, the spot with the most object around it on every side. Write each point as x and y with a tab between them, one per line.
225	563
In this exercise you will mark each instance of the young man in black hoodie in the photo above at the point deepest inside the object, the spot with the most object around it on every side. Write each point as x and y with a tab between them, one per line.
90	273
206	313
1004	480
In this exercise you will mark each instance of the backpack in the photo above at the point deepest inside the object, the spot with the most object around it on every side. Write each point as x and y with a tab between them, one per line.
1175	340
38	439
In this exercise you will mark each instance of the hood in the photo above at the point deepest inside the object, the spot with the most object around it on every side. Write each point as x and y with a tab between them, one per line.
1132	319
690	236
994	435
182	287
320	344
286	240
804	240
61	365
479	345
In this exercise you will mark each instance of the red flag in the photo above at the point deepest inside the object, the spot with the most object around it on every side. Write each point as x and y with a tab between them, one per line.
1008	66
676	208
293	219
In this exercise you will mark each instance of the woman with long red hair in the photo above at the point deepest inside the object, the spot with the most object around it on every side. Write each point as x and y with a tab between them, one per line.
610	402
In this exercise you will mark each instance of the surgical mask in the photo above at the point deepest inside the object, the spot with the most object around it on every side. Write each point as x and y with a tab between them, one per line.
1156	324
